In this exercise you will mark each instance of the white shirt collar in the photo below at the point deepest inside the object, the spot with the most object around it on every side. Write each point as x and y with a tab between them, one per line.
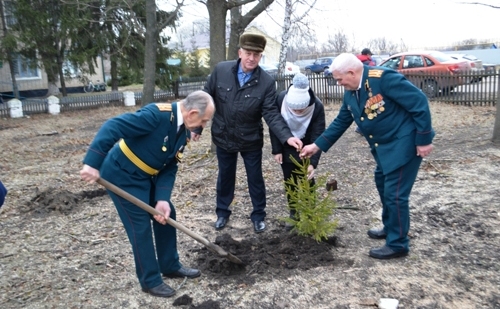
361	79
180	120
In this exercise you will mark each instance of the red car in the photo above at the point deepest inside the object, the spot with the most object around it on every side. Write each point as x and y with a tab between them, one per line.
431	71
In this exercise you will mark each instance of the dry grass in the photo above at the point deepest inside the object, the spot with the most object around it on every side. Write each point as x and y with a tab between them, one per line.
62	244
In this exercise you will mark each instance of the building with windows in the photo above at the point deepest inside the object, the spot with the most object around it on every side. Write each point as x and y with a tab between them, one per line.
30	78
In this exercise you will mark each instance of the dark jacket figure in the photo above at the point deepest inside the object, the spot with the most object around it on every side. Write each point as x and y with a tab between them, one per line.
243	94
139	153
237	124
305	116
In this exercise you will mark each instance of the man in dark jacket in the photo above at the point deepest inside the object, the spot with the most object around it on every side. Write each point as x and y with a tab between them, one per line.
305	116
243	94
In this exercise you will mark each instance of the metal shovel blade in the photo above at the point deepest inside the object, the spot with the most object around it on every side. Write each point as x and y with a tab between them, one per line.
210	246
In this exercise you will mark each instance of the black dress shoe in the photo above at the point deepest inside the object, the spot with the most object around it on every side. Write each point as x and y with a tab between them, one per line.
221	223
259	226
184	272
385	252
377	233
162	290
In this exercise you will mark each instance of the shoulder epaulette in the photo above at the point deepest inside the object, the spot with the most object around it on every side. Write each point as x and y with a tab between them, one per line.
375	73
164	107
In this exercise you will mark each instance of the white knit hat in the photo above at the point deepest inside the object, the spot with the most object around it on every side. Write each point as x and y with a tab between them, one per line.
298	94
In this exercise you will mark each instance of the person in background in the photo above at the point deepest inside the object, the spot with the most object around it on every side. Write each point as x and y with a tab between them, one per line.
366	57
396	121
243	94
3	193
139	153
305	116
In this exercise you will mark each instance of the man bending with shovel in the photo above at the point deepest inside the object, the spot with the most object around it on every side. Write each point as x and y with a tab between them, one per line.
138	152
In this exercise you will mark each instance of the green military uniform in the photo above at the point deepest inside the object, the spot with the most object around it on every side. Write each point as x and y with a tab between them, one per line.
143	163
394	117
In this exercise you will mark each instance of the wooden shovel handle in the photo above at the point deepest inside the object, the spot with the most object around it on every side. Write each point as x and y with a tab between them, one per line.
129	197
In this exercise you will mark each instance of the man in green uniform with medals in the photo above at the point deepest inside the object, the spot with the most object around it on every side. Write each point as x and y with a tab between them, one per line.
395	119
139	153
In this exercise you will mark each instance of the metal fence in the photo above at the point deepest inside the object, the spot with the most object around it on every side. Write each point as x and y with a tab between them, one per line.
477	90
469	88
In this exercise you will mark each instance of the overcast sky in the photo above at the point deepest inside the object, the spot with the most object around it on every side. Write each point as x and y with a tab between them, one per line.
418	23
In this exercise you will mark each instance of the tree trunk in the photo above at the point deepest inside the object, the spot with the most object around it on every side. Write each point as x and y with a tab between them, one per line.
52	74
217	10
114	75
496	127
239	24
236	31
150	53
15	90
62	81
287	25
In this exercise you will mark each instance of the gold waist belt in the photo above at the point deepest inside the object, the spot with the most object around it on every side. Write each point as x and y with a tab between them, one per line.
138	162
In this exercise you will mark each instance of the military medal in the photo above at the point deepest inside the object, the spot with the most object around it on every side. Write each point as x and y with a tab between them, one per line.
179	154
375	104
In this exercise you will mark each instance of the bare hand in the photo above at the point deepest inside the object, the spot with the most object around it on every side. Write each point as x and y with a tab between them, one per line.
424	151
310	172
278	158
295	143
89	174
164	208
308	151
195	136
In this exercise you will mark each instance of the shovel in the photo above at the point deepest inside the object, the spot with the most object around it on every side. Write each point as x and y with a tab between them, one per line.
210	246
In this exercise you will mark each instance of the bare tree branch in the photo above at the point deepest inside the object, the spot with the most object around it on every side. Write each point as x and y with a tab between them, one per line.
479	3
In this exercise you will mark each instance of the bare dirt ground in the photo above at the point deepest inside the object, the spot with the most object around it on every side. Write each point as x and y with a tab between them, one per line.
62	244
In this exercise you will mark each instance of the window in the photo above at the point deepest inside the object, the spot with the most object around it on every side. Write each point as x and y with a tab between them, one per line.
25	68
10	20
413	61
70	70
428	62
392	63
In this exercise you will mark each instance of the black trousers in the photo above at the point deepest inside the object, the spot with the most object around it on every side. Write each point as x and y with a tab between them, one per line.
288	172
226	182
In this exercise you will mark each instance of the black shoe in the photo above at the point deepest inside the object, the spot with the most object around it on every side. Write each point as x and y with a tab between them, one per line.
162	290
377	233
259	226
385	252
288	226
184	272
221	223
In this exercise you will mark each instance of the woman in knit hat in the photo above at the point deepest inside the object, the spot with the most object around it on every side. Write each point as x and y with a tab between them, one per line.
305	116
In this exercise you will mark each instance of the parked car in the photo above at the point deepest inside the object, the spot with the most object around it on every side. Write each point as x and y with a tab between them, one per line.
269	68
290	68
432	71
378	59
475	63
320	65
303	63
